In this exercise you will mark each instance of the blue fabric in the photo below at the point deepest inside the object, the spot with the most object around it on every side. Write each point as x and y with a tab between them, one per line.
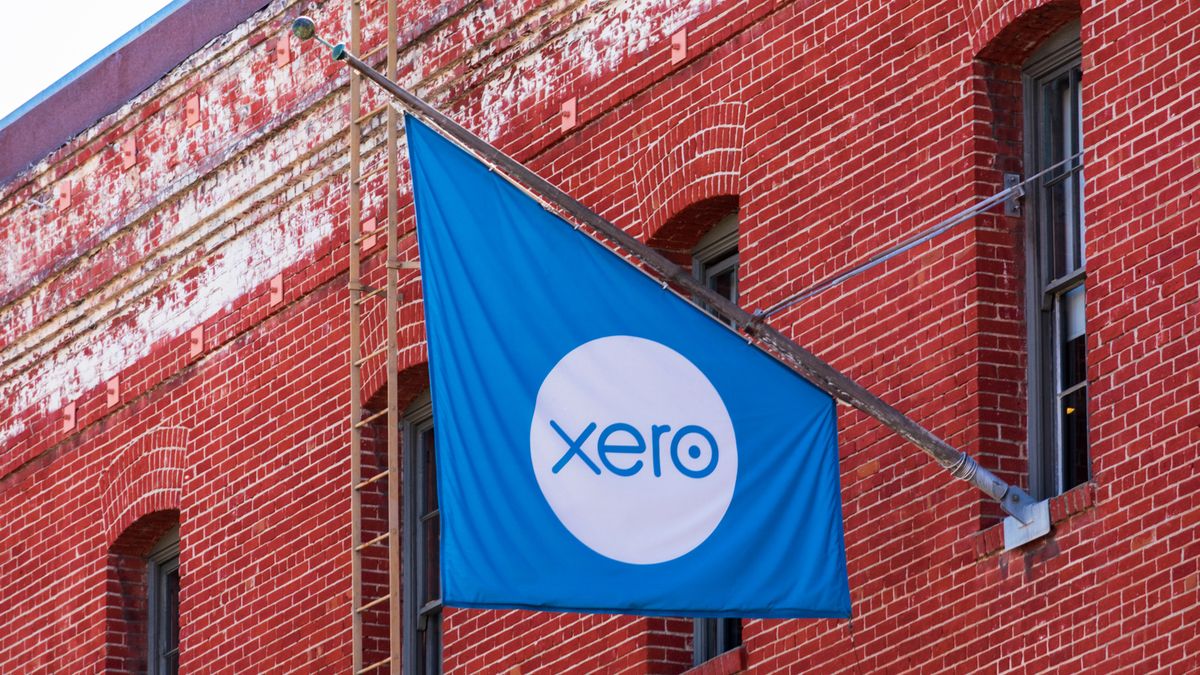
571	398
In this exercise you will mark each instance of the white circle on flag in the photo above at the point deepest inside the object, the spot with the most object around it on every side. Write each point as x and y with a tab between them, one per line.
633	449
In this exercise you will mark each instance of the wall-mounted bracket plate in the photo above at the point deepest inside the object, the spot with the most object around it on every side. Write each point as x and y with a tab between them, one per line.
1017	533
1012	205
679	47
567	116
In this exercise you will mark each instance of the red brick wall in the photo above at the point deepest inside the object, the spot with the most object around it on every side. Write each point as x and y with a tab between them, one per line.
140	297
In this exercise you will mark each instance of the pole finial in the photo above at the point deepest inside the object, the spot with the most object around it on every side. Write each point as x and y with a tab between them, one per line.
304	28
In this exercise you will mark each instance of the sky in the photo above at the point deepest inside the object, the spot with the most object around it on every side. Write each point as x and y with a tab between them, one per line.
46	39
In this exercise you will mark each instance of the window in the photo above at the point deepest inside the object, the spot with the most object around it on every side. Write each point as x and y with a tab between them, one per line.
422	527
162	596
141	598
713	637
714	262
715	258
1056	269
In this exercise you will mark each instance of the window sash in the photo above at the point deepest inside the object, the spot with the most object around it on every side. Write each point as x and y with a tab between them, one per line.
1056	232
715	261
422	527
713	637
1059	137
162	604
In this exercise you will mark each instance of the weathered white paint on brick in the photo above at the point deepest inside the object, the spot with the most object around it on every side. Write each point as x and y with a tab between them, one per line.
599	42
62	370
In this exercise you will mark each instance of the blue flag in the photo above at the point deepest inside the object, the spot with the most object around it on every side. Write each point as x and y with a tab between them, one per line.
602	444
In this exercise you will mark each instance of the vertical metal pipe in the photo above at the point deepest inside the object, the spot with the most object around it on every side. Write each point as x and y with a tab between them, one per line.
355	140
395	617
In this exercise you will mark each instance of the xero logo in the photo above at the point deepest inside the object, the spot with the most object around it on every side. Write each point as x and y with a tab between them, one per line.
633	449
636	445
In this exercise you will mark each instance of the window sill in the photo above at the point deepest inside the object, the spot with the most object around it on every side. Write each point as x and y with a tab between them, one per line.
732	661
1076	500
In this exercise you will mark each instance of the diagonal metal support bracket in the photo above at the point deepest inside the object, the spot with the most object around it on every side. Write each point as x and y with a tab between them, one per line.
1028	518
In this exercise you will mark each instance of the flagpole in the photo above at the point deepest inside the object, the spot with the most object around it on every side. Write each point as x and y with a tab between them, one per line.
1029	518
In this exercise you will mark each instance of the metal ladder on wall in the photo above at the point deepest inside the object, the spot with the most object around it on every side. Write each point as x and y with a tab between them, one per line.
375	476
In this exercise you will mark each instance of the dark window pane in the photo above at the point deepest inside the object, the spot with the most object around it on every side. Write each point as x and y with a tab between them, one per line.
731	634
1055	120
706	641
430	521
1057	219
714	637
1063	224
723	282
432	643
1073	426
162	577
431	581
429	473
171	618
720	275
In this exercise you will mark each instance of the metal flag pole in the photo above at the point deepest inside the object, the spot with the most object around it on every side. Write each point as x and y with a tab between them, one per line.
1029	519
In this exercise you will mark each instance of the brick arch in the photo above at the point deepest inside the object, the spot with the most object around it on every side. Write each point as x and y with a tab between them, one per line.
413	358
145	477
413	381
1007	31
685	228
699	159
